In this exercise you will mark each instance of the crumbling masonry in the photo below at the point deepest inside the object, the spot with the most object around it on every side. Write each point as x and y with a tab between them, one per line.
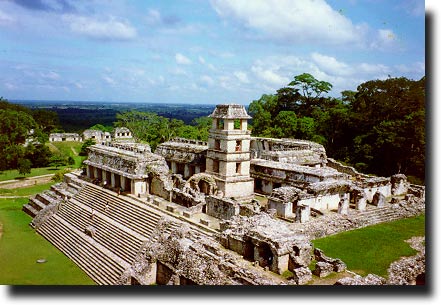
234	210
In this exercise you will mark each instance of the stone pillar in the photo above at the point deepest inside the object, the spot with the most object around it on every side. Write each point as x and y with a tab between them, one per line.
186	171
174	167
379	200
360	203
104	176
95	172
343	205
122	182
89	172
197	169
112	179
302	213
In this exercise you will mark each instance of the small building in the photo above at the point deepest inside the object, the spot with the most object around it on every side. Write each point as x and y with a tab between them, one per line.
122	134
64	137
184	156
97	135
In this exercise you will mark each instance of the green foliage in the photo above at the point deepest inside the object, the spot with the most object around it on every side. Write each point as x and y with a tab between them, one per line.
373	249
58	176
24	166
102	128
57	161
149	127
86	144
380	128
46	120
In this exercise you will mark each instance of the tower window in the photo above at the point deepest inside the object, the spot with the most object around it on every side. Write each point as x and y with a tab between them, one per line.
238	167
217	144
216	166
220	124
237	124
238	145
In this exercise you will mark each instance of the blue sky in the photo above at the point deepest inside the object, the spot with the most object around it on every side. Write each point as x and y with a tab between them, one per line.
200	51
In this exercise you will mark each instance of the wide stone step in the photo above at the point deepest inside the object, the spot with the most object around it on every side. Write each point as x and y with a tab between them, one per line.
119	241
138	219
98	262
36	204
143	224
28	209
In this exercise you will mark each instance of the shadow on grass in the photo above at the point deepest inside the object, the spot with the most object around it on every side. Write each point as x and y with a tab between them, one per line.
19	178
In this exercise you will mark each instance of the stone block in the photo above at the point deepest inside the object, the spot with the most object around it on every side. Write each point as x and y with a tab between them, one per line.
379	200
302	275
170	208
205	222
323	269
186	214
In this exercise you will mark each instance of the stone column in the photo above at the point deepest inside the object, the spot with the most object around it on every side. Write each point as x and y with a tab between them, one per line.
103	175
122	182
174	167
186	171
112	179
197	169
89	172
343	205
95	172
302	213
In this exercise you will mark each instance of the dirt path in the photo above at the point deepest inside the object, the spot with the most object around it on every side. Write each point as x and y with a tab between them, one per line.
12	184
74	151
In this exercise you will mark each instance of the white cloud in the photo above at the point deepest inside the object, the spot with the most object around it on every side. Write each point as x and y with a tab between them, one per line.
178	71
330	65
414	8
270	76
109	80
373	69
181	59
50	75
153	16
6	19
110	29
385	39
201	60
242	76
207	80
292	20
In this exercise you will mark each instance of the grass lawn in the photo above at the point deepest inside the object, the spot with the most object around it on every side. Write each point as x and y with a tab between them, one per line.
26	191
373	249
14	175
68	149
21	247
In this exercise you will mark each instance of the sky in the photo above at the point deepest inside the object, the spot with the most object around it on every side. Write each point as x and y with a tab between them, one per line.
201	51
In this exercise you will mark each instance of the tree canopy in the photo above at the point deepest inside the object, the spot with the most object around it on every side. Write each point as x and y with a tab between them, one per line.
379	128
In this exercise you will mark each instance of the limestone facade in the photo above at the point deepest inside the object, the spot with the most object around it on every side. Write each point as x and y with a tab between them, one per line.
61	137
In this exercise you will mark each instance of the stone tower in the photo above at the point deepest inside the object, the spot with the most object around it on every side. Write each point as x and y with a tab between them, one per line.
228	156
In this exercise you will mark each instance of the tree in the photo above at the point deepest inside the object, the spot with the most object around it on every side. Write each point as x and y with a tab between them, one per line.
86	144
46	120
57	161
24	166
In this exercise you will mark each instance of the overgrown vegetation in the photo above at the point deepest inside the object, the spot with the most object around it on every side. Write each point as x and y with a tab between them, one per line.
379	128
374	248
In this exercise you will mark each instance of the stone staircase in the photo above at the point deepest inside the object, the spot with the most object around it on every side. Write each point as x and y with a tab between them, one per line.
99	263
104	243
374	215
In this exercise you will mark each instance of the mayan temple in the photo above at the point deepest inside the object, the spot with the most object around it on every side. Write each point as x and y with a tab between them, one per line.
236	210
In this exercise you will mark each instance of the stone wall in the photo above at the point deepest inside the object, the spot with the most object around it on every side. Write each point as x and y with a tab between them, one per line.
222	208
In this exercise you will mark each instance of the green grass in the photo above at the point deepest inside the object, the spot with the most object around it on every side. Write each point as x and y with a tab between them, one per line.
38	188
68	149
21	247
14	175
373	249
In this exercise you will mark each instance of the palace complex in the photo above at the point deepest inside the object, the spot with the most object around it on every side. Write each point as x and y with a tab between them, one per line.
234	210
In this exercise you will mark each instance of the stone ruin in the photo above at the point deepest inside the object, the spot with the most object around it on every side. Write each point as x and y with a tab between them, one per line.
233	210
